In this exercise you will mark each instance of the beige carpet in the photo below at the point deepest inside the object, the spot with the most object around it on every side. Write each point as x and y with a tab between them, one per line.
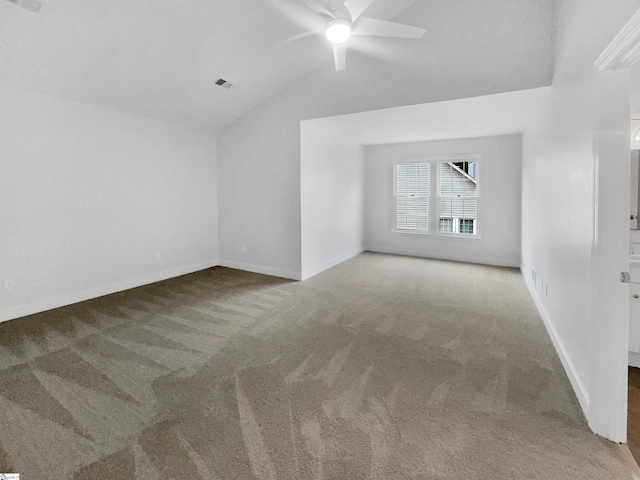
384	367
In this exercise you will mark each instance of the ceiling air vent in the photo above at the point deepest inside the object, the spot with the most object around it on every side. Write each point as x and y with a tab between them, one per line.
223	83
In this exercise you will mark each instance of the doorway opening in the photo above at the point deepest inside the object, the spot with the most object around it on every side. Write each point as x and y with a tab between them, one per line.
609	407
633	390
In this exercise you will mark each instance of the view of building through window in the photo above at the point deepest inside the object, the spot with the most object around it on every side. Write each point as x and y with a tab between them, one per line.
458	197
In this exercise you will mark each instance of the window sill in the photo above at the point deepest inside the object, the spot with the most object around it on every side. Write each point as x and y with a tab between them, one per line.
411	232
443	235
459	235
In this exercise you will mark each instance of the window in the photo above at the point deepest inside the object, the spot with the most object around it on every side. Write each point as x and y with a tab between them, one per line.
458	196
446	225
412	191
467	226
455	209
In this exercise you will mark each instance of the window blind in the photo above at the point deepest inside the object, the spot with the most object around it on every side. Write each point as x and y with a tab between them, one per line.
412	197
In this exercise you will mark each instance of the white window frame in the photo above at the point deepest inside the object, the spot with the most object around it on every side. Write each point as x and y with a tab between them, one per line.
395	194
434	196
456	222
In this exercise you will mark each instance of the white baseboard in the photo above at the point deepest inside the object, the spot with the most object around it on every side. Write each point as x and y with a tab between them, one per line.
634	359
249	267
473	259
16	311
310	272
576	382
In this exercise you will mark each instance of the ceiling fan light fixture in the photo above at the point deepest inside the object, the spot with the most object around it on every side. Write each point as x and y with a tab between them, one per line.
338	30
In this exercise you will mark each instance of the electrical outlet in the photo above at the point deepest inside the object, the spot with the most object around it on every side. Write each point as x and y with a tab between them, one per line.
534	276
9	284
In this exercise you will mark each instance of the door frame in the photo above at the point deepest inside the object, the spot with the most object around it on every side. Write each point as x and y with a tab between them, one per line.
610	243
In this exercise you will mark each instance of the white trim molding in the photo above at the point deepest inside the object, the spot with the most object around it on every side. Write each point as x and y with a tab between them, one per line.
576	382
634	359
624	50
250	267
447	258
607	415
17	311
310	272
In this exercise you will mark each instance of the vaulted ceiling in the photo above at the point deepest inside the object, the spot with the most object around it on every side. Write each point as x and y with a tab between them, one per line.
161	58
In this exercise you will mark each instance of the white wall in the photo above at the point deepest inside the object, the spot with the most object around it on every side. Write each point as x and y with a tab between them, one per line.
499	208
498	46
94	201
332	177
558	190
259	192
332	198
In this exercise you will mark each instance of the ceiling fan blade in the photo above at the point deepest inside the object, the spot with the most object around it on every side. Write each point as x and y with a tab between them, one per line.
357	7
318	8
340	56
33	5
302	35
382	28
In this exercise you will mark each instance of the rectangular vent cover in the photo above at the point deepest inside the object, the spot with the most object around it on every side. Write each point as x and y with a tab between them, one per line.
223	83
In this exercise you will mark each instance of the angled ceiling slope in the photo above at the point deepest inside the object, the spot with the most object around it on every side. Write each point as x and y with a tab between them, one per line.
161	58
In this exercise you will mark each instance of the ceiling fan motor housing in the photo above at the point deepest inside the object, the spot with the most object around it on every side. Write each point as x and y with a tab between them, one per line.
338	30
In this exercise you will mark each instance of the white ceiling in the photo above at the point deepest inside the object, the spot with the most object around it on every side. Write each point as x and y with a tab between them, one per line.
488	115
160	58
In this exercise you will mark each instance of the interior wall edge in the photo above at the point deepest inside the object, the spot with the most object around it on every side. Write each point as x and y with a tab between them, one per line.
17	311
634	359
310	272
577	383
262	269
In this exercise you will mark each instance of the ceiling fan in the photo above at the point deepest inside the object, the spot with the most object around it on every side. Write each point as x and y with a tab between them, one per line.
339	19
33	5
